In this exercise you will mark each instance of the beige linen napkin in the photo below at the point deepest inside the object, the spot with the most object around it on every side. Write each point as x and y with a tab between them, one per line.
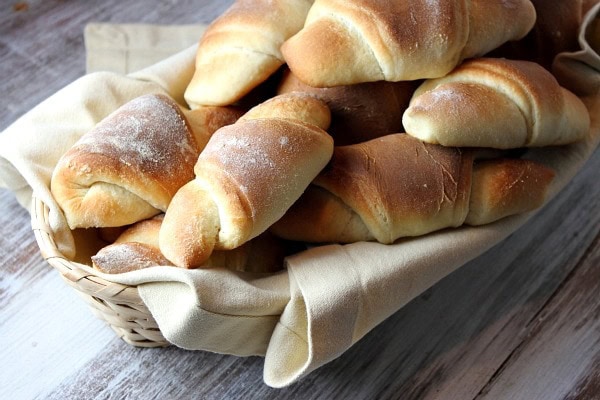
126	48
328	297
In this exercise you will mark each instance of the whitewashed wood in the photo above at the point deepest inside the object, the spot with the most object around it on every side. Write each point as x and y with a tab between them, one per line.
483	332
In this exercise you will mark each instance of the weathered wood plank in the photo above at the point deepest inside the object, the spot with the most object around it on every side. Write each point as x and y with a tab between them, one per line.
560	358
42	49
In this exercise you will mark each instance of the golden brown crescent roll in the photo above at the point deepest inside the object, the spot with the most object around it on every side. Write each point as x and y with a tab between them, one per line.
118	258
240	49
397	186
248	175
358	112
137	248
129	166
347	42
499	103
504	187
134	249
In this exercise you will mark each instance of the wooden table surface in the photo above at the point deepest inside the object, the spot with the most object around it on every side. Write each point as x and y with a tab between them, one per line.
520	322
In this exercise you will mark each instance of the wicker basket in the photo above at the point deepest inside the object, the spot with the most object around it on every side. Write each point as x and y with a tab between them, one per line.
119	305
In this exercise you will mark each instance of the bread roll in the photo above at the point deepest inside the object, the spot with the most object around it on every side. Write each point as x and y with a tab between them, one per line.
137	248
205	120
348	42
240	49
505	187
129	166
248	175
358	112
496	103
397	186
119	258
145	232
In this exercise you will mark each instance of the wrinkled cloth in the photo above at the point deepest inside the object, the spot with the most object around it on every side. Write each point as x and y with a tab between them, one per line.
327	297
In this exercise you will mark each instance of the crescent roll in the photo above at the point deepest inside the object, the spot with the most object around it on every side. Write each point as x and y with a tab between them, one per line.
129	166
498	103
397	186
240	49
347	42
248	175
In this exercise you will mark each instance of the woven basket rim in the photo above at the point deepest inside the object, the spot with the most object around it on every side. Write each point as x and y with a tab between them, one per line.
118	305
84	280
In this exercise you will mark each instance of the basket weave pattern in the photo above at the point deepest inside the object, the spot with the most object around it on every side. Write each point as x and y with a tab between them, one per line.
119	305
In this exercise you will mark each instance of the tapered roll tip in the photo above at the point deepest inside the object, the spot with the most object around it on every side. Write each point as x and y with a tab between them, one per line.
323	54
189	230
227	77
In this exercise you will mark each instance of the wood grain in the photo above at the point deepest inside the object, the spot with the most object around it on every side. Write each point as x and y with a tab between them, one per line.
520	322
563	341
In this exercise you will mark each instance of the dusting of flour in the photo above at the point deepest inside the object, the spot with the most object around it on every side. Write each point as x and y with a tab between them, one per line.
148	133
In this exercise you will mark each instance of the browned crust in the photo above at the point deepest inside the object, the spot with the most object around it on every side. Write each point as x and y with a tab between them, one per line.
346	42
240	49
320	217
400	186
503	187
128	167
298	106
359	112
548	113
397	186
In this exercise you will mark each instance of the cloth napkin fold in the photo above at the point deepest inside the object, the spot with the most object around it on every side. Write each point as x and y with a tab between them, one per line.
126	48
327	297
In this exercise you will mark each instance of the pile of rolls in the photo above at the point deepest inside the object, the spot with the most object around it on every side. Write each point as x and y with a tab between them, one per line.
324	121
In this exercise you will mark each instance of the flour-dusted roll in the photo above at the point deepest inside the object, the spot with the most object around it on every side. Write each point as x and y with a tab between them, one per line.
358	112
137	248
499	103
240	49
397	186
247	177
129	166
347	42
